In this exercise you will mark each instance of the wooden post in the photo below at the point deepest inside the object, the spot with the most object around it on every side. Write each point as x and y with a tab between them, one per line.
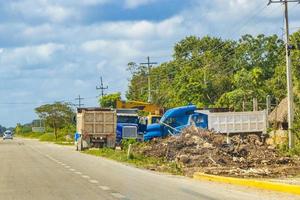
129	151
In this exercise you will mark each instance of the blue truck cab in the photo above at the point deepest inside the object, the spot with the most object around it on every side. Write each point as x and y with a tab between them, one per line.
174	120
128	126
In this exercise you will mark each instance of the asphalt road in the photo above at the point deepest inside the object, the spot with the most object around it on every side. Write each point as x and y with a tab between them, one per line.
31	170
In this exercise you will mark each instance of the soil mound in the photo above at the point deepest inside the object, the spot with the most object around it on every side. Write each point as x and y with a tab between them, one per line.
205	151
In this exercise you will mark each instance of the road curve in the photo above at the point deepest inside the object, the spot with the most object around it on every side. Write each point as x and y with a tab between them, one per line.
31	170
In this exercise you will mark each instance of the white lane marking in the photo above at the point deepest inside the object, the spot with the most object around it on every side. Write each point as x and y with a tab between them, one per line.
67	166
78	173
72	169
63	164
85	176
94	181
103	187
117	195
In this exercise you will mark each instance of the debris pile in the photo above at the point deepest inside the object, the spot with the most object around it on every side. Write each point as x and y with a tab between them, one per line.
205	151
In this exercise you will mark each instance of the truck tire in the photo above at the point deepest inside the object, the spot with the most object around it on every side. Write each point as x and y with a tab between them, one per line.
86	143
110	142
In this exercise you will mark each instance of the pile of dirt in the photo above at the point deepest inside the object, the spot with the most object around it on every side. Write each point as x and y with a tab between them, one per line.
205	151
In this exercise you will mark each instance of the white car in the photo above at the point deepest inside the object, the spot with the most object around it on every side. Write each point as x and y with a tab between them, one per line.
7	135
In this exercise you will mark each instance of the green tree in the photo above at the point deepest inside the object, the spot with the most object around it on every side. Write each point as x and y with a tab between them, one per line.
56	116
210	72
295	41
109	100
2	129
248	85
18	129
138	83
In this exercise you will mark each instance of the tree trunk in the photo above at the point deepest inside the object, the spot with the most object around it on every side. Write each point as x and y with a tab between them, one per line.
55	133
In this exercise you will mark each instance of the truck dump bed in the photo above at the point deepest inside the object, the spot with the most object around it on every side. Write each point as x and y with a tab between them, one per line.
97	124
238	122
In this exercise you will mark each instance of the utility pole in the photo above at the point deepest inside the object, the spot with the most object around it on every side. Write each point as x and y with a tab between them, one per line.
288	71
101	87
79	101
149	65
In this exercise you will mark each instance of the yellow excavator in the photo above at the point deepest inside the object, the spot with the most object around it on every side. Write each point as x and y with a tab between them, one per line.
154	111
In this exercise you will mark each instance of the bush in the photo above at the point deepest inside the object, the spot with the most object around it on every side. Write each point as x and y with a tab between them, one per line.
126	142
66	131
284	149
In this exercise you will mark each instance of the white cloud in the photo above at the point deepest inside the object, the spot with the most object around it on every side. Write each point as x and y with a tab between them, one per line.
136	3
81	2
21	57
42	9
54	11
35	31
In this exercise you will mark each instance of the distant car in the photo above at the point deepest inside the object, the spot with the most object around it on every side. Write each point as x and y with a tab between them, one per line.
7	135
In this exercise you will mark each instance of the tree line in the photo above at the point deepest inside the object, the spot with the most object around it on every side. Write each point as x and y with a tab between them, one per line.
213	72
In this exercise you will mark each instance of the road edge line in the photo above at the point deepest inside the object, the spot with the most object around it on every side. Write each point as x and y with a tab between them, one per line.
279	187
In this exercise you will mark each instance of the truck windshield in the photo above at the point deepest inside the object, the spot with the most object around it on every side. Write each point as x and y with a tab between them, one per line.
176	121
128	119
155	120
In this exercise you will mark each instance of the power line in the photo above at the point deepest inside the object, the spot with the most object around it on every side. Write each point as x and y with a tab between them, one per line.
46	102
149	65
227	55
236	28
79	101
101	87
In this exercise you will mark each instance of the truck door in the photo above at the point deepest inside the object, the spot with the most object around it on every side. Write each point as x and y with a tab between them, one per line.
199	120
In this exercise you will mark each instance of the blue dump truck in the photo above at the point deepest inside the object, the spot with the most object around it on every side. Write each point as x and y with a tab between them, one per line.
176	119
128	126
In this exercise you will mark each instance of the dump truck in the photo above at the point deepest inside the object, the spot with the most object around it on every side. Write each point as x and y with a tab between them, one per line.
96	127
176	119
128	125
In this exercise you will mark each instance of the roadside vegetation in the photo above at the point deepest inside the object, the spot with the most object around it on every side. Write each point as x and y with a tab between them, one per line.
59	125
137	160
63	139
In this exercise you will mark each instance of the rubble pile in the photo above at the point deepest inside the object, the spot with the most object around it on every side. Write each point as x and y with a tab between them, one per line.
205	151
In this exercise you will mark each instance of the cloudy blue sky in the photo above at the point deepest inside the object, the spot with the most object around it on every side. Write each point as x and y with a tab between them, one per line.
53	50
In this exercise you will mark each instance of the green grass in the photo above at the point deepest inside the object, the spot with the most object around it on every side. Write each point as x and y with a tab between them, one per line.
31	135
64	143
284	149
137	160
47	137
